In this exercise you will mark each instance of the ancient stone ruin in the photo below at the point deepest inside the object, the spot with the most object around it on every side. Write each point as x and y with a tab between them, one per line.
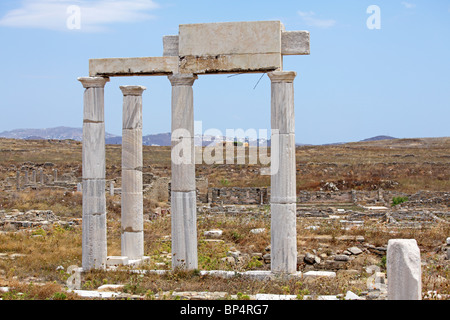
198	49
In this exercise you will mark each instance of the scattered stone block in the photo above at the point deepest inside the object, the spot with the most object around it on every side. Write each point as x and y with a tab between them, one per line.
341	257
258	230
355	250
317	274
116	260
352	296
216	233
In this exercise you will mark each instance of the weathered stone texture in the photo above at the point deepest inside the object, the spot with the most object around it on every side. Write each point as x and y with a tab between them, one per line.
145	66
184	230
404	270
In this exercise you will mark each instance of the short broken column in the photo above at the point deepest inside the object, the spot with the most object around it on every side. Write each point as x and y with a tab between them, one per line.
183	191
283	183
132	244
111	188
17	180
41	176
94	246
404	272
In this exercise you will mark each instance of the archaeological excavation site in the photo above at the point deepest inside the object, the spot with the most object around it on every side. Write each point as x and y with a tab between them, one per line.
86	220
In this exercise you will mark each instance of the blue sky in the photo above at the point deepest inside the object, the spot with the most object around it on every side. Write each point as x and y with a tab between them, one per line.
357	82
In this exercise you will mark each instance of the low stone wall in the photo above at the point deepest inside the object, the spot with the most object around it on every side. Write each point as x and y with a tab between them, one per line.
234	195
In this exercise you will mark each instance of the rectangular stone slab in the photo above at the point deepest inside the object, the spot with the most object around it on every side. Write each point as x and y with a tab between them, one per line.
251	46
146	66
210	39
232	63
292	43
295	43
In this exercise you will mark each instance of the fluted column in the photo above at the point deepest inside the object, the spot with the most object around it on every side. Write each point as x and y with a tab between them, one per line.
94	247
183	193
283	182
132	239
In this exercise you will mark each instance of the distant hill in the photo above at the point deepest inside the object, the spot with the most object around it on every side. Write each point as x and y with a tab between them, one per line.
58	133
159	139
377	138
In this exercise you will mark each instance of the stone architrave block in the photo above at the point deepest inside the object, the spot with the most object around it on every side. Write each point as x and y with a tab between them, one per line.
250	46
292	43
295	43
283	181
404	271
145	66
170	46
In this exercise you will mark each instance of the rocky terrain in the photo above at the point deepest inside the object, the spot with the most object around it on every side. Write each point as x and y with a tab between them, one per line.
351	200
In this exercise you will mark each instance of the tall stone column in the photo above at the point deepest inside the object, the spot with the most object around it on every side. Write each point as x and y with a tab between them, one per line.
132	243
283	184
183	192
94	248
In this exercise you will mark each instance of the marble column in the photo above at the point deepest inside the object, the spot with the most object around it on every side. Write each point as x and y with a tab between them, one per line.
41	176
183	190
17	180
132	243
404	270
283	184
94	247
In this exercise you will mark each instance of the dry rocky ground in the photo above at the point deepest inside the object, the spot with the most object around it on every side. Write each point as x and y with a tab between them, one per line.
341	244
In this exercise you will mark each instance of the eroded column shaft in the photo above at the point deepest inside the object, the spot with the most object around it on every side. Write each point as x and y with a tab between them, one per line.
94	247
183	193
283	182
132	220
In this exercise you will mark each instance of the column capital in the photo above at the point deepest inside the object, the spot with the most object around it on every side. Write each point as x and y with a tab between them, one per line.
182	79
93	82
132	90
282	76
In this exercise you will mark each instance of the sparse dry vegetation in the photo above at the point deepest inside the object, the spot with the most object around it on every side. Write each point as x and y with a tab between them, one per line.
33	262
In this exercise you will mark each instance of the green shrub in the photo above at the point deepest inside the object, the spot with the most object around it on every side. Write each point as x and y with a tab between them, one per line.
398	200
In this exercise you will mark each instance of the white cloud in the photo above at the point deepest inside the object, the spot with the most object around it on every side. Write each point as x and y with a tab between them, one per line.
408	5
94	15
310	20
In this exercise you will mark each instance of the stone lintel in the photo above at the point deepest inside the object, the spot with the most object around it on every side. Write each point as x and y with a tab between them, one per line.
145	66
295	43
170	46
292	43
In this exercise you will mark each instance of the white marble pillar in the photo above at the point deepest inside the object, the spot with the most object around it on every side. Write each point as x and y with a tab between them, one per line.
94	247
404	271
132	243
183	193
283	183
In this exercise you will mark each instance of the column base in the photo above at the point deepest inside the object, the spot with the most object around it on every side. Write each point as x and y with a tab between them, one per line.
115	261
